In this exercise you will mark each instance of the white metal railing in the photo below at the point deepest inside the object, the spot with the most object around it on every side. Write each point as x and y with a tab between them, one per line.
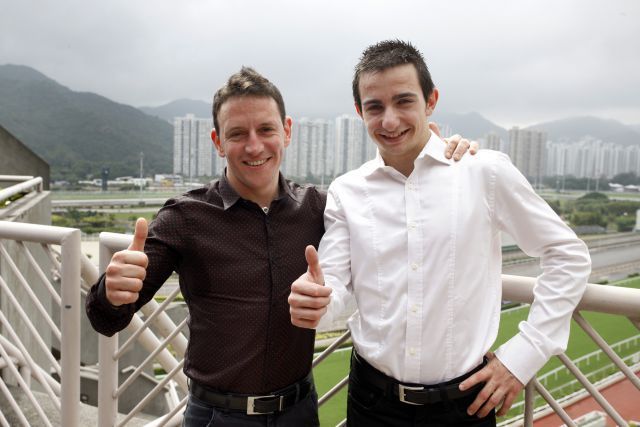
604	299
157	341
598	298
24	183
165	343
19	348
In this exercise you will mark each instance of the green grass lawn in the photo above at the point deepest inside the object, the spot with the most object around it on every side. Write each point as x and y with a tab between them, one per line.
611	328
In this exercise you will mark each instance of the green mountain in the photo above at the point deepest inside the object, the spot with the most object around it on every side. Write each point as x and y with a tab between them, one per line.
80	133
470	125
574	128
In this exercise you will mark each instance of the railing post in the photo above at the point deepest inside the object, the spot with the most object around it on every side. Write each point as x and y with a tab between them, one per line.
108	364
529	400
108	381
70	325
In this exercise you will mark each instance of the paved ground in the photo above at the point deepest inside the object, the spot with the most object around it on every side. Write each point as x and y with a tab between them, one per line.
88	414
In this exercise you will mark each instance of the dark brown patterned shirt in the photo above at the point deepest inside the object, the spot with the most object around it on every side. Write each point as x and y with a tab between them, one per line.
236	265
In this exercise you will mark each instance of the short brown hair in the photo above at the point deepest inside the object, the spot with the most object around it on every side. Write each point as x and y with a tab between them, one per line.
246	82
387	54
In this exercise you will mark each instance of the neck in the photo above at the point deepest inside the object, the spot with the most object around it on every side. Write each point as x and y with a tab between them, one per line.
405	164
261	196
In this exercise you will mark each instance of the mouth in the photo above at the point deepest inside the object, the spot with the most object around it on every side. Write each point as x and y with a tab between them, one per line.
393	136
256	163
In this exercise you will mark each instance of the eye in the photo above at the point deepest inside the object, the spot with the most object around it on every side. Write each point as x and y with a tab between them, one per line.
267	129
234	136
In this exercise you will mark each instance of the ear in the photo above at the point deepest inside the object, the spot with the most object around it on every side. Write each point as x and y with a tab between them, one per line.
358	110
217	143
288	124
432	101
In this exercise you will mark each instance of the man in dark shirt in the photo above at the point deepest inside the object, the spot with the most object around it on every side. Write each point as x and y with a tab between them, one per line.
237	245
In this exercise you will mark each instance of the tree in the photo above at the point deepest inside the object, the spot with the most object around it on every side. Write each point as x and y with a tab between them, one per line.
588	218
627	178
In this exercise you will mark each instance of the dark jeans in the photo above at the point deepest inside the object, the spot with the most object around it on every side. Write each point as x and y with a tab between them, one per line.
369	407
302	414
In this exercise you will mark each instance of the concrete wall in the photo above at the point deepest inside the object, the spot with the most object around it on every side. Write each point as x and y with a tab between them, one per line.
17	159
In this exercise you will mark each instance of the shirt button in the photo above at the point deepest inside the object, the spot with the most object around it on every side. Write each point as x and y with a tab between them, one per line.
412	225
414	308
414	266
412	351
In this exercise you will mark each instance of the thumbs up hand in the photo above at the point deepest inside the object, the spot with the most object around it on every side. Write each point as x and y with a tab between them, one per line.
309	297
128	268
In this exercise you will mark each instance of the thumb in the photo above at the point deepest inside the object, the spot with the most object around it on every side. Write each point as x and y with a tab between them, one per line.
315	271
434	128
139	236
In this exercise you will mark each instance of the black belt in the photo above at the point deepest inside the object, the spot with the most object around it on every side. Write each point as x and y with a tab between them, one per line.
413	394
254	405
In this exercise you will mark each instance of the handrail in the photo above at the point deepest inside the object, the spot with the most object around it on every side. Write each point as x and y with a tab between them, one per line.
601	298
15	178
23	186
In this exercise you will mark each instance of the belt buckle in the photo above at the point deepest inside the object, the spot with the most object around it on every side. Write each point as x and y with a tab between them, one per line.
251	403
402	390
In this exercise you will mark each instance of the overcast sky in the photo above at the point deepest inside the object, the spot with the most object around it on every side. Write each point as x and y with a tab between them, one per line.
515	62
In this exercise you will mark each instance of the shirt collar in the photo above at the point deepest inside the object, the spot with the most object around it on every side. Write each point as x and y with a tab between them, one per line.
434	148
230	196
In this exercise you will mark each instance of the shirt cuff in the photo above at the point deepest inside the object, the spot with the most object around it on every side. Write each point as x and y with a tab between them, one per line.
104	302
521	358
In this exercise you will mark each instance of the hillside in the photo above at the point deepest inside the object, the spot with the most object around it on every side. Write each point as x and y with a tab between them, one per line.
470	125
79	133
575	128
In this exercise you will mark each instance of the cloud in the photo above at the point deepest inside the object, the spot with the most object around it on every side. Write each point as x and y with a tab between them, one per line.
515	62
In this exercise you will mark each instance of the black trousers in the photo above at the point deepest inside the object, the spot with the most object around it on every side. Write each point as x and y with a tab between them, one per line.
368	406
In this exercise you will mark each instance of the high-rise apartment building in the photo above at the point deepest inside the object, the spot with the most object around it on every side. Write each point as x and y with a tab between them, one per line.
592	158
352	144
193	151
492	141
310	154
527	152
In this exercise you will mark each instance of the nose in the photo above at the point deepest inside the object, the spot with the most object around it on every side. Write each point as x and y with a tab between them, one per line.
390	120
254	145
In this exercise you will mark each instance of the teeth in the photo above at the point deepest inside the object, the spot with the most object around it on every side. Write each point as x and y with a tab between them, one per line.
393	135
257	162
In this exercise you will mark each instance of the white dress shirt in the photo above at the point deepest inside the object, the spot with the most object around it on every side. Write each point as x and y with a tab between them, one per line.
422	256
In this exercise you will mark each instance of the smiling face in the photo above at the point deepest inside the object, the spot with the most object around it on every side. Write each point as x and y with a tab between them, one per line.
252	138
395	113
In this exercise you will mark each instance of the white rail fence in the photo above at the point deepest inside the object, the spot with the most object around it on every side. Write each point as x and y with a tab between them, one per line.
164	340
32	305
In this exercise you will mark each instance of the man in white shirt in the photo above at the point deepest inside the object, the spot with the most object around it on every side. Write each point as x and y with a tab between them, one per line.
415	238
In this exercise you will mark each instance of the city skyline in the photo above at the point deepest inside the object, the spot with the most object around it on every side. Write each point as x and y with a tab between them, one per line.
323	149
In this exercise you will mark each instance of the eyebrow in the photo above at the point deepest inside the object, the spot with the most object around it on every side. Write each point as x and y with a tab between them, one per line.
403	95
241	128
